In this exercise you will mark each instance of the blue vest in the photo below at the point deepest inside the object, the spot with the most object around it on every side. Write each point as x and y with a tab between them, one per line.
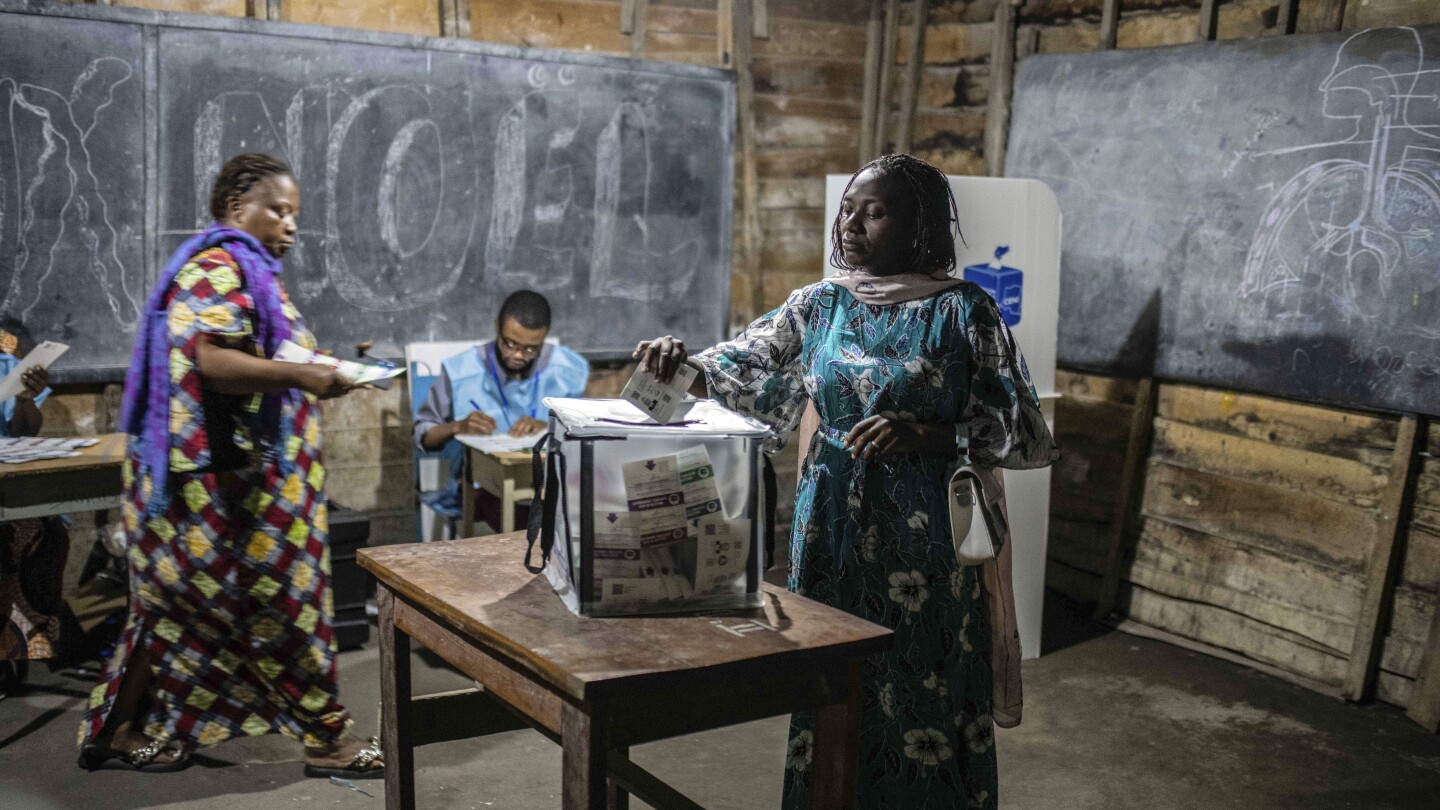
478	382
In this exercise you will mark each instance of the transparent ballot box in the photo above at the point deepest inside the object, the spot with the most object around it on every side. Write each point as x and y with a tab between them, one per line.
641	518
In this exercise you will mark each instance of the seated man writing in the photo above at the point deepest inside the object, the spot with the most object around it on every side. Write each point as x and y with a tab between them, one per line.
498	387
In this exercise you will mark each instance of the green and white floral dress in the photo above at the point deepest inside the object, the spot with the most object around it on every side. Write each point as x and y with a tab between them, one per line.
871	537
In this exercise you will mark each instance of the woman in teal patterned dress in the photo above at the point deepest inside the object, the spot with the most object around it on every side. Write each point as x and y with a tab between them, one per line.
903	363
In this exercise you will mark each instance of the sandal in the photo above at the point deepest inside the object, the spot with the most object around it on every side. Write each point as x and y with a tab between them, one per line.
359	767
100	758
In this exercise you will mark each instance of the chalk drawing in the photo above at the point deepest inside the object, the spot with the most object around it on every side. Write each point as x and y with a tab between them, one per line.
63	122
1354	233
309	128
544	261
622	265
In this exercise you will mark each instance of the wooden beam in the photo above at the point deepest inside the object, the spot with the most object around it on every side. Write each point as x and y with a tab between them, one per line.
454	18
761	10
1132	484
887	77
1288	13
1384	558
627	16
1424	705
874	33
460	715
639	26
1109	24
736	46
914	70
645	786
1209	20
724	33
259	9
1002	81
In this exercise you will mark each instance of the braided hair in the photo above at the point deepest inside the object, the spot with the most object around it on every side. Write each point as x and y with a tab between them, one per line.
240	174
936	221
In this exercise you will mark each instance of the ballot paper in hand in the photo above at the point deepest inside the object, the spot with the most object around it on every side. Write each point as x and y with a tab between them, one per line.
663	403
358	373
42	355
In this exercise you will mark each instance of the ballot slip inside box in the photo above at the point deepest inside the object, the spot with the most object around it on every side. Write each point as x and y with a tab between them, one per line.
648	518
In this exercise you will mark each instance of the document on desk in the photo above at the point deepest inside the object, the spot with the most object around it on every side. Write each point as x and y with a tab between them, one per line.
42	355
498	444
34	448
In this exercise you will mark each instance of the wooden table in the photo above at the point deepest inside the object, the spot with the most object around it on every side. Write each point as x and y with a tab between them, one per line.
507	475
600	686
58	486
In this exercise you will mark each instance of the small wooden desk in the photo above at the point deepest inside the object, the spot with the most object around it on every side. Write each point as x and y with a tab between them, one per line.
58	486
507	476
599	686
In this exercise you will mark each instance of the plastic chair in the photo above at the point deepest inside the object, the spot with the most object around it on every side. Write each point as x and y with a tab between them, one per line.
433	478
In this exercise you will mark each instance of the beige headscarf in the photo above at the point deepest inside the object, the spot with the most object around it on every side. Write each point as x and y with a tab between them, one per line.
893	289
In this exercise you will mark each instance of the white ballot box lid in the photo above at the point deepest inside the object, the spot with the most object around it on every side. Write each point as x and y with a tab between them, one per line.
582	418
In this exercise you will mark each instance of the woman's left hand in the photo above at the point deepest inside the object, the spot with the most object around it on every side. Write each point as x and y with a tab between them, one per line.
35	379
886	435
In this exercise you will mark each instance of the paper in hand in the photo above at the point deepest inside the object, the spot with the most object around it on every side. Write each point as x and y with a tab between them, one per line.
358	373
662	403
42	355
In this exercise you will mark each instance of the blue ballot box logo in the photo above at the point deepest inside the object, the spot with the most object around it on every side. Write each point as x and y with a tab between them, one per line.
1005	284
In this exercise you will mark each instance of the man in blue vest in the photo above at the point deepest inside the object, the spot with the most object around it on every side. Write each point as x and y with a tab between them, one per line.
499	387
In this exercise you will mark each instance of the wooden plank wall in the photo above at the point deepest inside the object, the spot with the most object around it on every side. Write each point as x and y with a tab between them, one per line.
1257	521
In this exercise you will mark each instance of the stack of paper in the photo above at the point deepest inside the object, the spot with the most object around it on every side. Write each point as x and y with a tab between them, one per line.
19	451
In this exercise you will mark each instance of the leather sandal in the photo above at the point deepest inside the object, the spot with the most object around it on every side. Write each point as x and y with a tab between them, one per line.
100	758
359	767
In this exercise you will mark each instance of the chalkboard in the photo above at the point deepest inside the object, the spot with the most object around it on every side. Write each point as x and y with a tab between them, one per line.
436	176
1260	214
72	183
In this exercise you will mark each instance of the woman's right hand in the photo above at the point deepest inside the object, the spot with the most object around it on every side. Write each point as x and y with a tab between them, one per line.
663	356
322	382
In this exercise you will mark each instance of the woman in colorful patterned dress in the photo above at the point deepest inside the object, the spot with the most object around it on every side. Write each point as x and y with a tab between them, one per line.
230	627
903	364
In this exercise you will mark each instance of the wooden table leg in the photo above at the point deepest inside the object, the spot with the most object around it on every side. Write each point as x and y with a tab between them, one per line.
836	758
467	494
616	797
507	504
395	708
585	756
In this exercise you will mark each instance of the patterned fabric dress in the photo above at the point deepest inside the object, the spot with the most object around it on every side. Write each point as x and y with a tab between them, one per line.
231	583
872	538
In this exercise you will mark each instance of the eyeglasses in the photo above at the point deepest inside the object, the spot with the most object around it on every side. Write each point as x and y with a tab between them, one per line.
511	347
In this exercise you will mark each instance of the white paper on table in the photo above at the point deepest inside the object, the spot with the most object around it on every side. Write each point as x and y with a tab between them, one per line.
497	444
42	355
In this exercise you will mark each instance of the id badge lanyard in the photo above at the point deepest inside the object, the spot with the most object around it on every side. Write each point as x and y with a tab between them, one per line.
499	379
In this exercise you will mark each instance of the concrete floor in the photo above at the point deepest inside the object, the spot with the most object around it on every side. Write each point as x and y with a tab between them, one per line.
1112	722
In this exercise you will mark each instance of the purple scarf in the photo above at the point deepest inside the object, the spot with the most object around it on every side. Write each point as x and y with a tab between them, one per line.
145	413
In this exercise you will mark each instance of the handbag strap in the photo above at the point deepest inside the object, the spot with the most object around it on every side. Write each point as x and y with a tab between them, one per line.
541	525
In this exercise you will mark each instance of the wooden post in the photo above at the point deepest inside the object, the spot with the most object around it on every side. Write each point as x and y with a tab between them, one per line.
1109	24
634	19
259	9
1002	80
1380	583
455	19
1209	19
1424	705
734	29
914	71
887	79
1288	13
1132	483
874	32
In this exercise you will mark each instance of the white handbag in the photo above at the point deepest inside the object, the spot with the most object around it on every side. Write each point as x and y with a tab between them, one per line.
975	527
